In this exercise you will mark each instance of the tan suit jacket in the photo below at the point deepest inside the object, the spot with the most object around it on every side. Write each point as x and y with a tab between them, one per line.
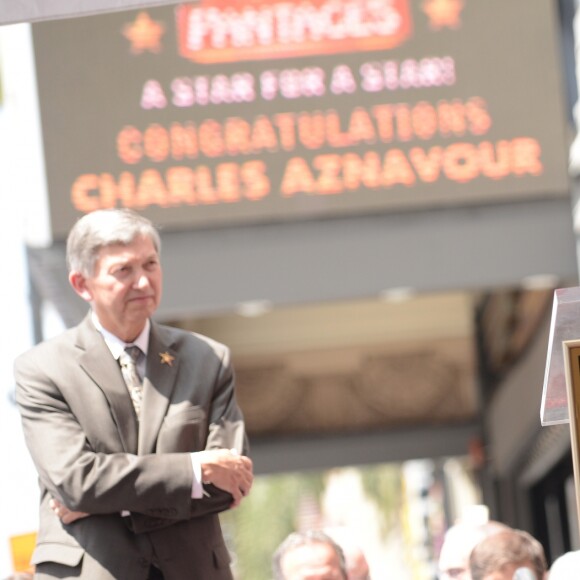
90	453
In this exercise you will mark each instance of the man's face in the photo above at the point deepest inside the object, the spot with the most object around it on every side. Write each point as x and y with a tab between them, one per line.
315	561
125	287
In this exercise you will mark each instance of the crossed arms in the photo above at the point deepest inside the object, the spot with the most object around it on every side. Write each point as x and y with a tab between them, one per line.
74	442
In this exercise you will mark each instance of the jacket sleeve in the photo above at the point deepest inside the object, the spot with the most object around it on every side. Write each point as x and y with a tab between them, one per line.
77	472
226	430
226	424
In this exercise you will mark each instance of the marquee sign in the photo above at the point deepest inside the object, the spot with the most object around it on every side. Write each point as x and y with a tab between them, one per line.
227	111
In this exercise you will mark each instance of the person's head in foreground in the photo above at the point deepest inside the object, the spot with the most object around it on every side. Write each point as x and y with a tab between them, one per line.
311	555
509	555
457	545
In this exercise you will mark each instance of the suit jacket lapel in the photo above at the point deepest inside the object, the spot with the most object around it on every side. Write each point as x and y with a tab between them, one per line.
158	386
96	359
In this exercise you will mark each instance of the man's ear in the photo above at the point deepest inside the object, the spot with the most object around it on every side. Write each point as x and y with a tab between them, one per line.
79	284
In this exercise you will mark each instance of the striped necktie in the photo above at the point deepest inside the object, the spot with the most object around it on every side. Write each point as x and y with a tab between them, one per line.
128	361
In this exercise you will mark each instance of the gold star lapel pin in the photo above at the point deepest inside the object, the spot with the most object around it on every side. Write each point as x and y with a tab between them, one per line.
166	358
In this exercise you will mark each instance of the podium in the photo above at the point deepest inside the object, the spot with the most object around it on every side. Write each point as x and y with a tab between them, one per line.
561	390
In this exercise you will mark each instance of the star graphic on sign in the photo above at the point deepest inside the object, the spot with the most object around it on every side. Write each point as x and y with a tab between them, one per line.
144	34
166	358
443	13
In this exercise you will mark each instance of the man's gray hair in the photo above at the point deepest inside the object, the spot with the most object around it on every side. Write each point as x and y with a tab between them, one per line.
298	539
102	228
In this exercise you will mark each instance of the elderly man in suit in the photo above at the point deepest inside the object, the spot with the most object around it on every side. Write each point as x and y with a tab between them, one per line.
133	426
